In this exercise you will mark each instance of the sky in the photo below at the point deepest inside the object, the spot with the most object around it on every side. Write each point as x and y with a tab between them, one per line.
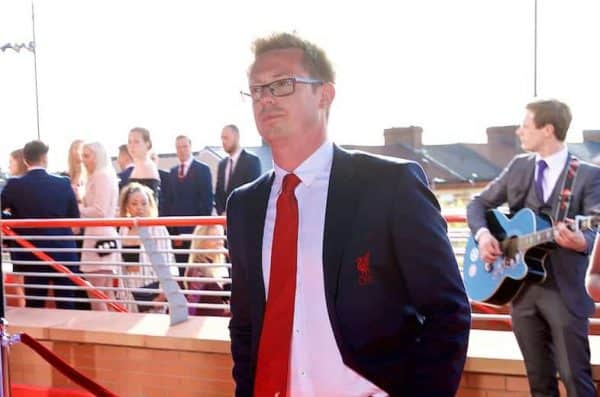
176	67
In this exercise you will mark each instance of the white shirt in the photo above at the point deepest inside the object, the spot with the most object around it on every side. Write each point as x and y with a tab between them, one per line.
316	366
186	165
231	163
556	164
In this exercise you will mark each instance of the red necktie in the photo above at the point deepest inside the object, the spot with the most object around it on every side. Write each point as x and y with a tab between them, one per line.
274	348
181	170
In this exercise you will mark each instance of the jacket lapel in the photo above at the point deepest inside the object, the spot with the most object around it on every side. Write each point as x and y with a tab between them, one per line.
342	200
255	221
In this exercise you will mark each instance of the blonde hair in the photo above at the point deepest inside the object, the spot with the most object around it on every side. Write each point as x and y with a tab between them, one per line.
203	230
18	157
314	60
132	188
76	170
101	157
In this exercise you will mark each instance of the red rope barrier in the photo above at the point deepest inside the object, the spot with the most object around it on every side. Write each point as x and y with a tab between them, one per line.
63	269
65	369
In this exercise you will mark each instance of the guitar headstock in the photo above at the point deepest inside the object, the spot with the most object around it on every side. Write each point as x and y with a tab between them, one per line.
588	222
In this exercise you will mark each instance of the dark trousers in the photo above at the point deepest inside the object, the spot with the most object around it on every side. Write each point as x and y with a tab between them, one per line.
43	292
552	338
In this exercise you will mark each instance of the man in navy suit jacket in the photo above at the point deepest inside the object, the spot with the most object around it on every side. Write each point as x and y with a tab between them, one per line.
188	191
38	194
238	168
379	307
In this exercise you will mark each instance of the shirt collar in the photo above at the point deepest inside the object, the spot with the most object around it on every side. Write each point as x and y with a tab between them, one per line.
317	163
556	160
188	162
235	156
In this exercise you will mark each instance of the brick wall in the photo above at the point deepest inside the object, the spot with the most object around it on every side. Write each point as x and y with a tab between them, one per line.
128	371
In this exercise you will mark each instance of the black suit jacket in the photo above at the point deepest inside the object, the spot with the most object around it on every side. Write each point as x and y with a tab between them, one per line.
246	170
38	194
407	330
512	186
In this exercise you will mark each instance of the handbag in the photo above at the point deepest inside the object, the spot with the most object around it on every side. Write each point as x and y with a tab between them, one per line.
108	246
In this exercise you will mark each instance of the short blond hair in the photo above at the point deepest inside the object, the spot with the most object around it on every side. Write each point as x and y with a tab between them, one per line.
315	60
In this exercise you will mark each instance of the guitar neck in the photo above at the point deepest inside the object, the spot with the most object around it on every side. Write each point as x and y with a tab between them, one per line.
547	235
537	238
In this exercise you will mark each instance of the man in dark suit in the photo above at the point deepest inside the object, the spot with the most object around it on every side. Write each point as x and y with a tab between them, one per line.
344	281
189	192
38	194
238	168
165	180
125	163
550	320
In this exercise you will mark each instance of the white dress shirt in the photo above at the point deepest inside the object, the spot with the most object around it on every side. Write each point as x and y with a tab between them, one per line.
186	165
556	164
316	366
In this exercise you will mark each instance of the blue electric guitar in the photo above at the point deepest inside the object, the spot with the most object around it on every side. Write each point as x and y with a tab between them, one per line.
525	240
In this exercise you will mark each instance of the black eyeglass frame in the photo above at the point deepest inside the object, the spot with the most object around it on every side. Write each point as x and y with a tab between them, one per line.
256	91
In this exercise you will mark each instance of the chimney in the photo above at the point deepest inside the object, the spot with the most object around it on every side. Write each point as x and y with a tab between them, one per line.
591	135
411	136
503	135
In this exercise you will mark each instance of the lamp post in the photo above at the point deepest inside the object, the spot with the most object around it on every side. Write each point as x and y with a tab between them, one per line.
17	47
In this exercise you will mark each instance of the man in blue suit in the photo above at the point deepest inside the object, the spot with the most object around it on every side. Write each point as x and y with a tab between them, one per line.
238	168
38	194
188	192
344	282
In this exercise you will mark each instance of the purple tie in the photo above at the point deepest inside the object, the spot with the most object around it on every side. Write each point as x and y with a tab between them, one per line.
539	180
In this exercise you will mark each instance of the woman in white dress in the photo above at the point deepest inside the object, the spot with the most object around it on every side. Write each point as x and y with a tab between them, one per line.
100	201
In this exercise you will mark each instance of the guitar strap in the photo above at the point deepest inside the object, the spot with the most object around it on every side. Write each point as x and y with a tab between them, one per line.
566	191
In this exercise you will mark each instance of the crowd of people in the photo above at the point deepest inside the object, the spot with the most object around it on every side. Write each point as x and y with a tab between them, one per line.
139	189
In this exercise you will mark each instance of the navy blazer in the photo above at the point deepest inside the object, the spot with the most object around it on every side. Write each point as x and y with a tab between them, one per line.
38	194
124	176
246	170
407	330
190	196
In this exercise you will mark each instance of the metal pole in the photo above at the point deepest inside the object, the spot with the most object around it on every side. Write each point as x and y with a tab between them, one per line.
35	74
4	368
535	45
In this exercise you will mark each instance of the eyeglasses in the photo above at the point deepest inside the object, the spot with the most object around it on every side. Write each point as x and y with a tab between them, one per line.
282	87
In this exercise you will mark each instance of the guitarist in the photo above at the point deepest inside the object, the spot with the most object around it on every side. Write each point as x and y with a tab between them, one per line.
550	320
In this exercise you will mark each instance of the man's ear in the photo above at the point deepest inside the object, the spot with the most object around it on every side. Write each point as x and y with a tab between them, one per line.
549	129
327	95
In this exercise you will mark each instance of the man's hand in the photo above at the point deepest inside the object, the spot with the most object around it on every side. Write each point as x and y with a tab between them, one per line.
489	247
569	239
